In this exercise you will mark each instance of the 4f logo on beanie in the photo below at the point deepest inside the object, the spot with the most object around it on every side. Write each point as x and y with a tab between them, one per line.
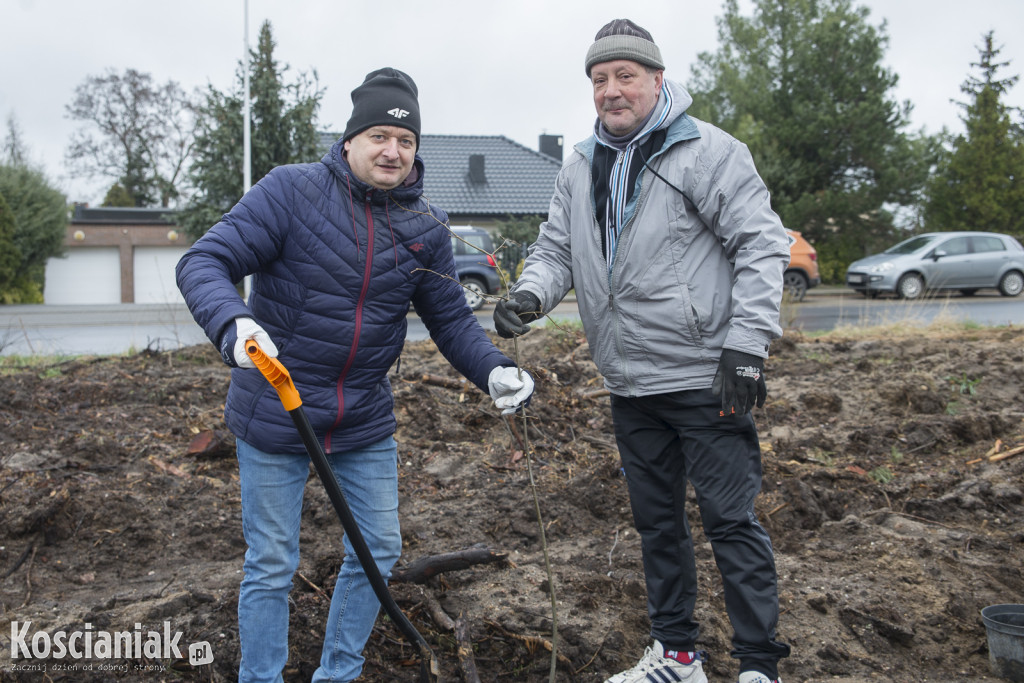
398	113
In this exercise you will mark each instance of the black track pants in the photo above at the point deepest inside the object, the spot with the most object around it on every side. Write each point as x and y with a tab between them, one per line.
666	440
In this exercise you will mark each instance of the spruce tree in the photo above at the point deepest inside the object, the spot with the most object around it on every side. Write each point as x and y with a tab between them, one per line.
282	128
980	183
802	83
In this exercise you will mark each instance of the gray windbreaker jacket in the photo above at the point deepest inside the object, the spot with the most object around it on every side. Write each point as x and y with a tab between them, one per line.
691	274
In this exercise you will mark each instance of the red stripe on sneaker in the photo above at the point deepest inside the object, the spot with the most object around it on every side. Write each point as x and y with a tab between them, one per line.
681	657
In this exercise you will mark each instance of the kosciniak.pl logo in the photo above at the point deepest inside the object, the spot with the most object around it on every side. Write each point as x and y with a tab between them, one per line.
88	643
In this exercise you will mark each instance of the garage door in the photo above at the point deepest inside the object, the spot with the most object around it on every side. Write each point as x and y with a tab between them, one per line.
154	275
88	275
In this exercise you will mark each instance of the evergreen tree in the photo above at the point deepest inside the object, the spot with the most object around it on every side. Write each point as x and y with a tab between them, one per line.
10	257
118	195
980	183
282	127
33	220
801	82
14	150
40	221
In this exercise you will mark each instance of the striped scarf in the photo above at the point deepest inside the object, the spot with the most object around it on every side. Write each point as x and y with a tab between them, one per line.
616	167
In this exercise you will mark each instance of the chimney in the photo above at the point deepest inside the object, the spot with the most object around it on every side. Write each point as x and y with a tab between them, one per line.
476	169
551	145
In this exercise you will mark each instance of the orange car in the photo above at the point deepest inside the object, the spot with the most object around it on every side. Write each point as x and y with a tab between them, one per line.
802	271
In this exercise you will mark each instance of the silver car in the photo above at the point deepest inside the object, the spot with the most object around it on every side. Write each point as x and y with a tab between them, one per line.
964	261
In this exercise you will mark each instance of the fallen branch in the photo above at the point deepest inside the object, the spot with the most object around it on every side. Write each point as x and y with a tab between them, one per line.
29	549
510	422
585	346
446	382
435	610
532	643
591	660
1008	454
467	663
318	589
600	441
28	576
996	458
168	467
424	568
460	627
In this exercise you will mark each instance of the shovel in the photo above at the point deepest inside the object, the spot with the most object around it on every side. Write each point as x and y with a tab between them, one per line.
279	378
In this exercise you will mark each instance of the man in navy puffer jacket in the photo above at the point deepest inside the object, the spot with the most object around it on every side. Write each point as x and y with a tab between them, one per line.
338	251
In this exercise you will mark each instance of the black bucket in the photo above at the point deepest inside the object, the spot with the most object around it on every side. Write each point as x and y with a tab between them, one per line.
1005	627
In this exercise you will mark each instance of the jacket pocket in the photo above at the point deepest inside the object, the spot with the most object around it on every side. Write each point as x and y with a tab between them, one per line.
665	321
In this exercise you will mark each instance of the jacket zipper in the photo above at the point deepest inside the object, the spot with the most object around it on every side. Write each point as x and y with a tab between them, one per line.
612	302
358	323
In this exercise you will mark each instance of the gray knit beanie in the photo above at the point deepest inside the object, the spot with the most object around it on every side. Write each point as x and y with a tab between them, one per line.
622	39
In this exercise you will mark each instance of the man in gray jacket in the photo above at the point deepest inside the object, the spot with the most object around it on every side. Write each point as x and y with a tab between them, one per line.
664	228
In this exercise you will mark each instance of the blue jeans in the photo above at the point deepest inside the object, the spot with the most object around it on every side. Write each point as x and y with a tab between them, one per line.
272	487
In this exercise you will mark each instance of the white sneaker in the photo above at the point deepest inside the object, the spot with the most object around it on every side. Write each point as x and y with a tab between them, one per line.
655	667
756	677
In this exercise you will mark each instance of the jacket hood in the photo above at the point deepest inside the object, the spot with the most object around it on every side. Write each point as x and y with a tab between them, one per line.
408	191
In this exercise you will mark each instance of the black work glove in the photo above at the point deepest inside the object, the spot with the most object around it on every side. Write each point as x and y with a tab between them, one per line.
739	381
511	315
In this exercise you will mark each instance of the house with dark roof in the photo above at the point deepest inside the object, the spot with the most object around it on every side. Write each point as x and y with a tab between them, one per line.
482	179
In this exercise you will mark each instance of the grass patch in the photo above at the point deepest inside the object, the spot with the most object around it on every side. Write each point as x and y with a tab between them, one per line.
882	475
942	326
9	364
963	384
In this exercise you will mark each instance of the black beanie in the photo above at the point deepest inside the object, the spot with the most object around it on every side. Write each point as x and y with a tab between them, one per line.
387	97
622	39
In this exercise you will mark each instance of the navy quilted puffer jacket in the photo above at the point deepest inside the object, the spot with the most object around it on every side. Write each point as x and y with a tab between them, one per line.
335	265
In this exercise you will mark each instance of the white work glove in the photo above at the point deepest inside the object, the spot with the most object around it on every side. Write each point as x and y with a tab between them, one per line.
510	388
246	329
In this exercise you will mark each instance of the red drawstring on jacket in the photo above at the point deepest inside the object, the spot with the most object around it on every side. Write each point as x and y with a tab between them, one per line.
387	213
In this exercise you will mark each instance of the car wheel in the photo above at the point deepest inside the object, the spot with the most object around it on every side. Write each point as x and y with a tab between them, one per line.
1012	283
910	286
475	293
795	284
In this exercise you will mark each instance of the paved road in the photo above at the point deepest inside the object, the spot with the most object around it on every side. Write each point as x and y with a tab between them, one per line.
835	307
111	329
96	329
827	308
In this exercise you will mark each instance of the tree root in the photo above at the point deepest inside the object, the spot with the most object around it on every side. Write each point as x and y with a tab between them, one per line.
418	571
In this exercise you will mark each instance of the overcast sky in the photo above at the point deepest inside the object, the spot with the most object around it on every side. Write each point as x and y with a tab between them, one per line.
483	67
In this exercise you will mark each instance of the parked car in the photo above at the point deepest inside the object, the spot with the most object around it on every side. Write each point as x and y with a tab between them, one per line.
477	269
964	261
802	271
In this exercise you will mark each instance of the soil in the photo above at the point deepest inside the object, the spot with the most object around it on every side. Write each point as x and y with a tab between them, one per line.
892	493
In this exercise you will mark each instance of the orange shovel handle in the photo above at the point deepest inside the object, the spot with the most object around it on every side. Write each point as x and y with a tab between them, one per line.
276	374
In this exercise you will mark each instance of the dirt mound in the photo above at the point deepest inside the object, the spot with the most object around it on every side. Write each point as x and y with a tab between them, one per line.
892	493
